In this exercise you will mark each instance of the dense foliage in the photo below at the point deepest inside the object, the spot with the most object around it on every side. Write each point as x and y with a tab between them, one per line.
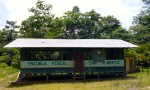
77	25
73	24
140	34
8	34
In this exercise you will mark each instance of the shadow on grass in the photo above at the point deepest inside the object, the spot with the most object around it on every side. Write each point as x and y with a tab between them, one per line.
53	80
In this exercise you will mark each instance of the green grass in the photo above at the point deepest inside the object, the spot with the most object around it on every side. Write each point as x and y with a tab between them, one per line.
135	81
7	75
6	70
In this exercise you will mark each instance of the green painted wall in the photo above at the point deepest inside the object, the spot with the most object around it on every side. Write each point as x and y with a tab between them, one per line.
103	60
69	64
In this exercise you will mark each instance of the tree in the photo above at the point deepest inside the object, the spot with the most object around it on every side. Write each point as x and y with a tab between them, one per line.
10	30
91	25
120	33
147	2
140	33
141	25
56	29
109	26
7	34
37	25
72	23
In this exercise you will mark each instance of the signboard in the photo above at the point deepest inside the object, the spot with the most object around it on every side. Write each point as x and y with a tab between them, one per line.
69	64
46	64
106	63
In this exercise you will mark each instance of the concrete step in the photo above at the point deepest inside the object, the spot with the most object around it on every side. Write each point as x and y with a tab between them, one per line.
20	77
79	76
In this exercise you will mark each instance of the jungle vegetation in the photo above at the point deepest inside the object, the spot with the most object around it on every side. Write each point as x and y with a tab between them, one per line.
74	24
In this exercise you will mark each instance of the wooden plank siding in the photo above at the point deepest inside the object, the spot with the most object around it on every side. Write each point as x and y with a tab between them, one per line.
70	60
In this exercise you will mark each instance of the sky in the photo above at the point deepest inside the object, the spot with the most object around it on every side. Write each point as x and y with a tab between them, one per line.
123	10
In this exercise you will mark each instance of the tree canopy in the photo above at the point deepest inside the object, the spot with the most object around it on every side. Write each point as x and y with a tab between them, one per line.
37	25
74	24
140	32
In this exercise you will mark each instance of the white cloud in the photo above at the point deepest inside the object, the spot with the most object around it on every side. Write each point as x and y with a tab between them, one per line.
1	27
124	10
18	9
61	6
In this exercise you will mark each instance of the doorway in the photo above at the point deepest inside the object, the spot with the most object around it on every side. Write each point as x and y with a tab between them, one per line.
79	61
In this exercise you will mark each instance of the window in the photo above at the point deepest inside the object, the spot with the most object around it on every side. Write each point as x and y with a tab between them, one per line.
55	55
46	54
114	53
39	55
88	55
67	55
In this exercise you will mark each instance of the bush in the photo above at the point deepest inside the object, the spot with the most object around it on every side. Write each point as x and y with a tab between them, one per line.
131	53
15	63
3	65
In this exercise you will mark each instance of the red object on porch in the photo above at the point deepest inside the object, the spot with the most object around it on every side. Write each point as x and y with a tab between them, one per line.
79	58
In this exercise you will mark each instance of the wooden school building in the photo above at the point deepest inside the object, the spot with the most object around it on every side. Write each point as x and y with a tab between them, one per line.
75	57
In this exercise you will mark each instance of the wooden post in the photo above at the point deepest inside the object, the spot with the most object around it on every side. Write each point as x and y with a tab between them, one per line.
142	68
46	77
98	75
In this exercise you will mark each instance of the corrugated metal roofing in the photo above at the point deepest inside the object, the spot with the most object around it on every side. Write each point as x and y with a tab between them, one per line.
69	43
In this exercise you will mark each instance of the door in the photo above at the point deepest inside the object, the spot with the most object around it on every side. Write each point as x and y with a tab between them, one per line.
131	65
79	61
98	55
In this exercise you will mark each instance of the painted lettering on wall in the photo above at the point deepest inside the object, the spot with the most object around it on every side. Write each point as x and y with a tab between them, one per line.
36	63
46	64
59	63
106	63
92	63
42	63
112	62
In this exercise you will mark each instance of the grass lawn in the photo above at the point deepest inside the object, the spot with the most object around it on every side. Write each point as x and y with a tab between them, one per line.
135	81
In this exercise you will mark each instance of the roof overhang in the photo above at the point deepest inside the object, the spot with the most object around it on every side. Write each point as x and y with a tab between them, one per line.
69	43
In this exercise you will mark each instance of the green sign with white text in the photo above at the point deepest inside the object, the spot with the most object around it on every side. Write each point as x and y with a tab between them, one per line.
69	64
106	63
46	64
